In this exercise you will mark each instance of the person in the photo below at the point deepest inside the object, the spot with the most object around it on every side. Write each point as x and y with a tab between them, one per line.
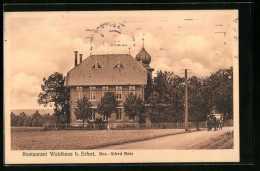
208	122
220	123
215	123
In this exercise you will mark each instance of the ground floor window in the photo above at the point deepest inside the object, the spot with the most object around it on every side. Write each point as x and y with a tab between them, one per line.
104	118
93	114
119	114
132	118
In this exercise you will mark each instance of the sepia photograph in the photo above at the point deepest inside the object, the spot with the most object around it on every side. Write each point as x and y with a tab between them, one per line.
121	86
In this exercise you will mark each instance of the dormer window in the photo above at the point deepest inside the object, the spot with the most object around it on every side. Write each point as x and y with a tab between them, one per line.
96	66
119	65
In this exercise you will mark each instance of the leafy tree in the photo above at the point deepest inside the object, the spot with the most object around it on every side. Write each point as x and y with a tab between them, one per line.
133	105
175	99
53	91
14	119
28	121
83	109
22	118
219	92
154	108
168	99
108	104
36	119
149	87
197	106
163	83
47	118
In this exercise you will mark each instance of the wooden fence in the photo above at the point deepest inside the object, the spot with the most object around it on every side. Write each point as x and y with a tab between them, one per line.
121	126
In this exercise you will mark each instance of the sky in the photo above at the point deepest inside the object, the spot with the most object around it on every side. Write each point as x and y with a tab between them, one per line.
38	44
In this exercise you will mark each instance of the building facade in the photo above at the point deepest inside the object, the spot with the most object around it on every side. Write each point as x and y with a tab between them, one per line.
118	73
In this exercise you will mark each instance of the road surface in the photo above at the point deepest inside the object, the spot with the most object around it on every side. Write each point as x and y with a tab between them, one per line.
192	140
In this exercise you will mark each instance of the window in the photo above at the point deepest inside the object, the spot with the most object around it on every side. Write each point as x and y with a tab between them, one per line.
104	118
104	90
119	92
93	114
132	118
119	114
92	93
96	66
119	66
78	118
132	89
78	93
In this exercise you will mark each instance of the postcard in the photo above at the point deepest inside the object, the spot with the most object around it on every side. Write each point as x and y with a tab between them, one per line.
150	86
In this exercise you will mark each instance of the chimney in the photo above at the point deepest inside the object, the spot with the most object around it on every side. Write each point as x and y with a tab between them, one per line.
80	58
76	58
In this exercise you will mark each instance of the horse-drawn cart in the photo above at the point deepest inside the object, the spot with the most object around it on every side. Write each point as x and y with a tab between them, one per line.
215	121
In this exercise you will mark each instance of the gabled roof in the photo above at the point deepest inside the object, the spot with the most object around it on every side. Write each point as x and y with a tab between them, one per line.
131	72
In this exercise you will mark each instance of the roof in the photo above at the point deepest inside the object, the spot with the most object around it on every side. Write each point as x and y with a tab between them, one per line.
144	56
129	72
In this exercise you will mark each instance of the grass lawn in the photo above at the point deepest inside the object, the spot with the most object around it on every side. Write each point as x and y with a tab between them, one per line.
82	139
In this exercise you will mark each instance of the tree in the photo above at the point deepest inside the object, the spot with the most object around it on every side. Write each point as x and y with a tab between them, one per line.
28	121
163	83
133	105
197	106
53	91
36	119
168	99
219	92
22	118
83	109
108	104
149	87
47	119
223	98
154	108
14	119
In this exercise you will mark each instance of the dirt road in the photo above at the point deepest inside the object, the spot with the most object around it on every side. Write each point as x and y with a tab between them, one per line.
222	139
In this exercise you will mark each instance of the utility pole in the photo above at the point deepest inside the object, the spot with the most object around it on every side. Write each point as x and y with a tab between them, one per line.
186	102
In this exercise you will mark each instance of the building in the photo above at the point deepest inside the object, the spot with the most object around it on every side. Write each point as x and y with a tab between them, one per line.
118	73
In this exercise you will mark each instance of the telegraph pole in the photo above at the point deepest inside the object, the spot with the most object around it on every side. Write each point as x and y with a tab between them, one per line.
186	102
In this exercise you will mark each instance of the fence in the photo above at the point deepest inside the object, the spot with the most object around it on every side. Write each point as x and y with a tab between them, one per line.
228	122
122	126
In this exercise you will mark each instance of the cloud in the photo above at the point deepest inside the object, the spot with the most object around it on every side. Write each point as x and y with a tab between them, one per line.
194	52
24	88
41	45
22	83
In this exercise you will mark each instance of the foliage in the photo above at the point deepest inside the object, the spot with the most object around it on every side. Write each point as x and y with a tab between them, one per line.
14	119
99	121
83	109
53	91
163	83
166	102
220	92
108	104
197	106
35	120
149	87
22	118
133	105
